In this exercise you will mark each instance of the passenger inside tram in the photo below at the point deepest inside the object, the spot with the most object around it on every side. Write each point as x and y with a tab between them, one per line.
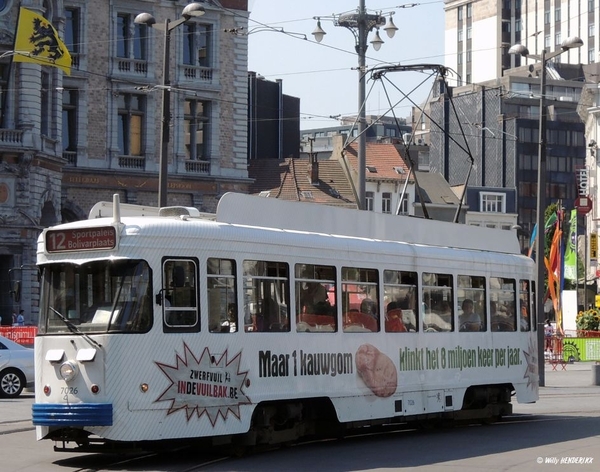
469	320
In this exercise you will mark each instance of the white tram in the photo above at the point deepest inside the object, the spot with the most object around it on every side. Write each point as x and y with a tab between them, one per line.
271	321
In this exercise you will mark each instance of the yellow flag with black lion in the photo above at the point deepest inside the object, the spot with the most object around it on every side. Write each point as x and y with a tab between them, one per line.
37	41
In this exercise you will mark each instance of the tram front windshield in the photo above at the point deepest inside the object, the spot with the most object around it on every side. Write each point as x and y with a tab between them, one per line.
96	297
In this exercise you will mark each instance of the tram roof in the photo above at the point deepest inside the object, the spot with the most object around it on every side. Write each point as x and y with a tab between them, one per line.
249	210
236	208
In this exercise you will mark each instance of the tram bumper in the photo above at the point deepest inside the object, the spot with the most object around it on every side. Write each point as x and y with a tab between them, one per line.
72	415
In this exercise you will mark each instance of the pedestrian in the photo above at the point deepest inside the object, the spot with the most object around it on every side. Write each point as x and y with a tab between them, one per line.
14	317
21	318
548	333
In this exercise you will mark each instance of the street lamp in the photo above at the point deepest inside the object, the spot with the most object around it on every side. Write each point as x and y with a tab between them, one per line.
360	25
194	9
519	49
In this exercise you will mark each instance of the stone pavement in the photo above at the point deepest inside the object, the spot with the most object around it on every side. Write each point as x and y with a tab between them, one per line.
578	374
566	392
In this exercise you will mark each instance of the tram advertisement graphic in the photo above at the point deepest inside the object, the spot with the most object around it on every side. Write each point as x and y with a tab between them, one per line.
378	371
462	358
458	357
211	384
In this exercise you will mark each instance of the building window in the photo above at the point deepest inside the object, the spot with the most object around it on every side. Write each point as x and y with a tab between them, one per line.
469	10
369	201
69	119
547	17
591	29
72	34
591	56
197	45
4	72
132	38
45	105
460	13
386	202
131	121
557	15
557	41
493	202
404	206
460	35
196	129
469	32
547	41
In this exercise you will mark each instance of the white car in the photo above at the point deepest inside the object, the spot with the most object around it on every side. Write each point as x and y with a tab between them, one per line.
16	368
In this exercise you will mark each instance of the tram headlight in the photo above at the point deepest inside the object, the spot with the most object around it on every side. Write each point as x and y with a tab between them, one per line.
68	371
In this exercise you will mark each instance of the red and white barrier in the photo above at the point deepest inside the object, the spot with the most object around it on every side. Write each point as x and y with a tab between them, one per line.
23	335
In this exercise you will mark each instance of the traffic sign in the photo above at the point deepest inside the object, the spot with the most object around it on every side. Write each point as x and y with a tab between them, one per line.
583	205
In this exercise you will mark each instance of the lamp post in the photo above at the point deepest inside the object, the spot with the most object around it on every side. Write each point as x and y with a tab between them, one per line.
360	24
194	9
519	49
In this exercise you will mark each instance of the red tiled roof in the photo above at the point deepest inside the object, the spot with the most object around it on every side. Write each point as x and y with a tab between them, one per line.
288	179
383	158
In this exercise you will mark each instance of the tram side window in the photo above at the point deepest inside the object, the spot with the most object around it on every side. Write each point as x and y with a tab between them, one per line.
180	307
400	299
315	298
360	296
438	300
502	304
471	298
222	306
525	321
266	296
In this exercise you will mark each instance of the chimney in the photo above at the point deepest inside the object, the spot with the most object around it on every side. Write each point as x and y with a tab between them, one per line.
313	171
313	165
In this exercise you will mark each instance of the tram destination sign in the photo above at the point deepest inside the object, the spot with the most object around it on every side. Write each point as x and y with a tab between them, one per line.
85	239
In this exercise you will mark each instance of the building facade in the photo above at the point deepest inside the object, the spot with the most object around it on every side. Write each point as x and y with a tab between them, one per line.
68	141
479	34
273	120
491	143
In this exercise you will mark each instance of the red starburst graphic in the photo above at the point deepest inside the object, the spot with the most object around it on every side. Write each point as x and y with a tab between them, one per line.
205	385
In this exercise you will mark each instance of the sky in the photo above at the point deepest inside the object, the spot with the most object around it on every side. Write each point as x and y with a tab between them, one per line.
324	75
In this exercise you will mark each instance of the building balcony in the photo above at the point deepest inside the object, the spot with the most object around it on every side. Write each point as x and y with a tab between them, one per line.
196	73
197	167
70	157
75	60
132	66
132	162
11	137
